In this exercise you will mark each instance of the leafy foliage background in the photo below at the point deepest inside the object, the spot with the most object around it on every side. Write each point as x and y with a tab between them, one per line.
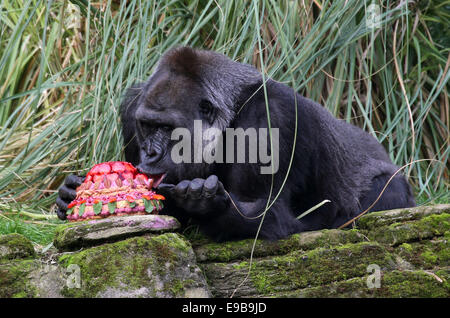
65	64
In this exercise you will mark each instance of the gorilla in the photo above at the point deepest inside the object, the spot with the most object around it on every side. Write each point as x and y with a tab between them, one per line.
321	157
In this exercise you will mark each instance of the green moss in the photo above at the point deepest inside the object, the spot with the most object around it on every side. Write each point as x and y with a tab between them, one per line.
319	266
298	269
21	294
407	247
15	246
228	251
398	233
374	220
444	274
412	284
429	257
14	279
426	254
381	218
130	265
69	236
88	233
444	253
395	284
321	263
240	265
173	241
178	287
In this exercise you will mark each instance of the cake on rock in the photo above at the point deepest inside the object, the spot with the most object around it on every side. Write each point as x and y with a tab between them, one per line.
113	189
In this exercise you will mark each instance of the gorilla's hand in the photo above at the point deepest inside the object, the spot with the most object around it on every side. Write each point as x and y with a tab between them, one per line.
67	193
198	197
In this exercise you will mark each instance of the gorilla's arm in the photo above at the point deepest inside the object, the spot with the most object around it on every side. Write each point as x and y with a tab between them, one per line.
225	216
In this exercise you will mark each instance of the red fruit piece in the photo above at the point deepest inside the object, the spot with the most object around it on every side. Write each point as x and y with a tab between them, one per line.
143	176
95	169
98	178
139	180
127	175
104	168
129	167
118	167
112	177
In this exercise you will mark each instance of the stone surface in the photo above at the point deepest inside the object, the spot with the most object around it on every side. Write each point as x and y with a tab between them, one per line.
394	284
410	248
374	220
74	235
30	278
296	270
396	233
237	250
145	266
15	246
405	251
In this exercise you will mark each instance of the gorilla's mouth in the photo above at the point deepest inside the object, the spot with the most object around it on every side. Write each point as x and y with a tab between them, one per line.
157	177
157	174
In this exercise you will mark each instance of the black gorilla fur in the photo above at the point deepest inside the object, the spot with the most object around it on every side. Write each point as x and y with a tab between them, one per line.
332	160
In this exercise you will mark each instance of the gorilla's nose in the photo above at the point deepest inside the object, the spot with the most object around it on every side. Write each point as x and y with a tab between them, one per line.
150	153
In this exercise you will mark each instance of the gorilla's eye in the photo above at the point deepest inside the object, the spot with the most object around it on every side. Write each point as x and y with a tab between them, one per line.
166	128
207	111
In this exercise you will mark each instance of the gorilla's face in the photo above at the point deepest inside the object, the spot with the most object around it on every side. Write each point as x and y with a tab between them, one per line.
168	101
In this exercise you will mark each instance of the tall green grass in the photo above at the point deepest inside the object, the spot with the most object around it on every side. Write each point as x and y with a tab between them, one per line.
65	64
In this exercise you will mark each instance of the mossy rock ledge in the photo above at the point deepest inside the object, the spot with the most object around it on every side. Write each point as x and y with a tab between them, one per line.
130	256
396	253
14	246
74	235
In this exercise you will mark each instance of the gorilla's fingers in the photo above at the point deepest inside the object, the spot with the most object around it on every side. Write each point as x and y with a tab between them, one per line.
66	193
61	214
166	189
181	189
195	188
73	181
61	204
220	188
210	186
